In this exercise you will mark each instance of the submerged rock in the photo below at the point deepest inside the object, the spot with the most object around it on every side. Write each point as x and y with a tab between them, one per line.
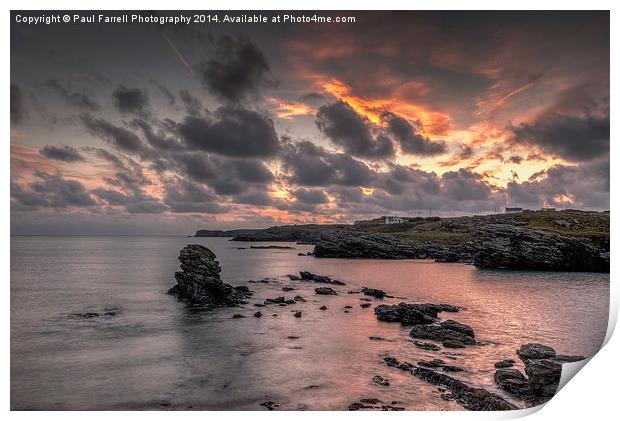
543	369
380	381
426	345
199	281
475	399
325	291
452	334
411	314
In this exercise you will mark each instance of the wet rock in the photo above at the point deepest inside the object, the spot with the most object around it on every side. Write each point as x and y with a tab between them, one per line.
367	403
365	305
238	316
373	292
411	314
360	245
438	363
392	408
426	345
452	334
325	291
514	247
534	351
258	314
309	276
270	405
289	302
376	338
348	307
472	398
277	300
380	381
297	314
504	363
199	281
286	289
323	308
543	369
299	298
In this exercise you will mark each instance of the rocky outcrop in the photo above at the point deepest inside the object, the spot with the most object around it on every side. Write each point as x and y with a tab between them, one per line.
450	333
412	314
360	245
543	369
199	281
473	398
514	247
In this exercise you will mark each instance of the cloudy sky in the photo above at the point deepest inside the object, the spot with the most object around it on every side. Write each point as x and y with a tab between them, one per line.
163	129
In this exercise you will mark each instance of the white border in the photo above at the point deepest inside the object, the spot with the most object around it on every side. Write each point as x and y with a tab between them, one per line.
592	394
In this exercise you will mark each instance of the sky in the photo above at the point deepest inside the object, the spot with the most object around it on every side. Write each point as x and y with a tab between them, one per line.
166	129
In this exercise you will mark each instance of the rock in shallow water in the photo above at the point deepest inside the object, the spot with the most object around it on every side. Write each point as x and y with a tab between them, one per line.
543	369
325	291
452	334
199	281
411	314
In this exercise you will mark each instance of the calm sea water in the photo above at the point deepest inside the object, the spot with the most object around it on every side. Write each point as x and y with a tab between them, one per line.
157	354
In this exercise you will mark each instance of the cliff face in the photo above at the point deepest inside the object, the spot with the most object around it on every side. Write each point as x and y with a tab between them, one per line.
508	246
199	281
360	245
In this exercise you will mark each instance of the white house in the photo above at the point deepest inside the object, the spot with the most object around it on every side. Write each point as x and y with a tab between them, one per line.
514	210
394	220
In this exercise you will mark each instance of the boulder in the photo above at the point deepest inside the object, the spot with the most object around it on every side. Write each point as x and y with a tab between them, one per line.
322	279
325	291
373	292
199	281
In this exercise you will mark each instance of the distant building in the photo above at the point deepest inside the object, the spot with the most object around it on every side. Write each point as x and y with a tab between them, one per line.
547	209
394	220
514	210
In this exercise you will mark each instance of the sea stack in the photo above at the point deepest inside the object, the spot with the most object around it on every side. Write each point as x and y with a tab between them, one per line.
199	281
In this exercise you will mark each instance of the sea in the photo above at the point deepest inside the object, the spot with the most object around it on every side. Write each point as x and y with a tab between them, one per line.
93	328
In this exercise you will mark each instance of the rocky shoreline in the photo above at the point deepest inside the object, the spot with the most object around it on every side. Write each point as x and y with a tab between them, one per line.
199	283
570	240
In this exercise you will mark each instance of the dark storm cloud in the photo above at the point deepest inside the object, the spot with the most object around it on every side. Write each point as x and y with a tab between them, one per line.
310	165
157	138
51	191
77	99
118	137
311	197
575	138
135	202
465	185
254	197
347	129
224	175
586	185
312	98
131	101
18	110
409	140
184	196
233	132
61	153
238	71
